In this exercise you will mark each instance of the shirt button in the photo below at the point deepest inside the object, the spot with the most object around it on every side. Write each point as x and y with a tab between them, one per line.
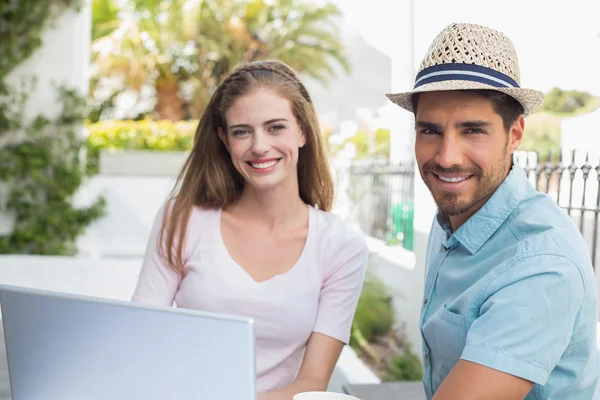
425	302
427	356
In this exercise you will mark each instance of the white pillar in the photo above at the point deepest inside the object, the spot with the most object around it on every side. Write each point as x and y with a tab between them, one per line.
63	59
403	75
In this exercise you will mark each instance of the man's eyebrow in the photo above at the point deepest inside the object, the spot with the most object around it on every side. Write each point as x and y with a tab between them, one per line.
428	125
472	124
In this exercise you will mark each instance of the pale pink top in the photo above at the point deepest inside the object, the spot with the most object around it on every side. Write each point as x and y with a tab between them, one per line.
318	294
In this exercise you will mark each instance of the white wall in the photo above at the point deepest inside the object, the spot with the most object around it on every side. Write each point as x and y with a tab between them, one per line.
403	75
63	59
425	210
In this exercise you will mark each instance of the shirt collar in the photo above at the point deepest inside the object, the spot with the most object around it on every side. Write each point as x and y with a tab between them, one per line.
484	223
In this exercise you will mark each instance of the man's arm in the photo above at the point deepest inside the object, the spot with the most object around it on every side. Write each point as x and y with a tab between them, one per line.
524	326
470	381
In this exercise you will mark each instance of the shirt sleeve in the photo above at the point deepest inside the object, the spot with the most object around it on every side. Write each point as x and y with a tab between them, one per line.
527	319
158	282
341	289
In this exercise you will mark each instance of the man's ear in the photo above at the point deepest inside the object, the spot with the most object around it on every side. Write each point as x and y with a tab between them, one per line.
515	135
223	138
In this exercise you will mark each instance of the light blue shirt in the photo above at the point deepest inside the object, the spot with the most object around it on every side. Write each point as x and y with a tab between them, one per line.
513	289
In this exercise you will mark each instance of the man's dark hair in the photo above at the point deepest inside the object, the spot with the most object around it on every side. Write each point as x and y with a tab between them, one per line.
504	105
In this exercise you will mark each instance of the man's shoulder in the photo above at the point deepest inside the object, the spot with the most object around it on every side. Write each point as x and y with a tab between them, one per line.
543	227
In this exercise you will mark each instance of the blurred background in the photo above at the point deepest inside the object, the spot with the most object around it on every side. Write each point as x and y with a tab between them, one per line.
99	100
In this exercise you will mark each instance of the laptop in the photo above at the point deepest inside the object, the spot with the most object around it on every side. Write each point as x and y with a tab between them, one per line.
71	347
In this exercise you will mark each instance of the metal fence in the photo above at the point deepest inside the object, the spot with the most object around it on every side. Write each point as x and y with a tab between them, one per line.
573	183
382	195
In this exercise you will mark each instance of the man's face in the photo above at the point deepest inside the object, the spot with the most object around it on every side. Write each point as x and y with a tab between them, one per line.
462	149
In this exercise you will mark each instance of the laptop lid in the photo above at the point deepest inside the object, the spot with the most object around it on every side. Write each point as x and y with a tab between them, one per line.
63	346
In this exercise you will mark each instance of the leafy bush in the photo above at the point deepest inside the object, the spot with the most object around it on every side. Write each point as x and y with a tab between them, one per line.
405	367
374	313
561	101
43	172
137	135
542	134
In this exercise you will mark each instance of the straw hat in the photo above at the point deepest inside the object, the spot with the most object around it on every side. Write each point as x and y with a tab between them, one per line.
469	56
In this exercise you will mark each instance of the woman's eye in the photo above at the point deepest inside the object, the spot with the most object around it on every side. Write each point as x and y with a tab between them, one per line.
239	132
277	127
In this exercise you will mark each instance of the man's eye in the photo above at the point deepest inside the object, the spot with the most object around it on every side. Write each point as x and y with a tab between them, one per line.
474	131
429	131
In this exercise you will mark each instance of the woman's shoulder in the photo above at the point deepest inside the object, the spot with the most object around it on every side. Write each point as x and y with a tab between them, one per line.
334	232
199	222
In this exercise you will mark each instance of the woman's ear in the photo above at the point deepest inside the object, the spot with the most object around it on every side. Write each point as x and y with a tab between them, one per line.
302	140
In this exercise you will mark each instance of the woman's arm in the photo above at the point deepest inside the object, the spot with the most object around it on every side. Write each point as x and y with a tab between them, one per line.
158	282
322	353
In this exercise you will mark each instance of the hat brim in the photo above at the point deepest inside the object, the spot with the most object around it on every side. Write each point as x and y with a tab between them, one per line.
530	99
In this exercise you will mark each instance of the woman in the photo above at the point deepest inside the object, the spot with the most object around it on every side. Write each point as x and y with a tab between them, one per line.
251	205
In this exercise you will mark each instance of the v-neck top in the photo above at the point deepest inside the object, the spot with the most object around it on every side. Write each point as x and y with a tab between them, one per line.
319	293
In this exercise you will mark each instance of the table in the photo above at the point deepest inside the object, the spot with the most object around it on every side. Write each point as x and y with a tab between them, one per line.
388	391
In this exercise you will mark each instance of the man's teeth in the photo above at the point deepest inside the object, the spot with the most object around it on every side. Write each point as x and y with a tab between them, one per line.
452	180
263	165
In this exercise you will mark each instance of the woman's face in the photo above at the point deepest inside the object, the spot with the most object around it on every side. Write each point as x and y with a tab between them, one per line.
263	139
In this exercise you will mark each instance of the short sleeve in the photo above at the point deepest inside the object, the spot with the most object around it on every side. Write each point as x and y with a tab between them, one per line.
527	318
341	289
158	282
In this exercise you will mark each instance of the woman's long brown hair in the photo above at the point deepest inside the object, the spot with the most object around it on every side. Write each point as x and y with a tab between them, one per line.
208	178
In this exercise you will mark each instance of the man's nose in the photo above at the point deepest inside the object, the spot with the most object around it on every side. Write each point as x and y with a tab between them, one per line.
450	152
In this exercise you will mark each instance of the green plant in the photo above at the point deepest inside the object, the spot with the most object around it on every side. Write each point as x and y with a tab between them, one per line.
43	173
183	49
40	165
404	367
137	135
367	144
374	313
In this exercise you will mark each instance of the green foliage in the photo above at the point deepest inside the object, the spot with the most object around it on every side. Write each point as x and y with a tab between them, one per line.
561	101
374	313
405	367
43	173
371	144
137	135
104	18
21	25
542	134
368	144
184	49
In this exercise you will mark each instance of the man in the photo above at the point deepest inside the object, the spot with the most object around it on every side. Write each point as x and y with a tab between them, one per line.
510	306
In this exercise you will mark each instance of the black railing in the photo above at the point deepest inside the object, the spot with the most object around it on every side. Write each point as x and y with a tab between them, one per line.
574	184
382	195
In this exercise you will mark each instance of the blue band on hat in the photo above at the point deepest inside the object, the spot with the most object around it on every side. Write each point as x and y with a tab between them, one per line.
465	72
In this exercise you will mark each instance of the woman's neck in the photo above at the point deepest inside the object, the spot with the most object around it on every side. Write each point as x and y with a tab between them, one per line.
275	207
